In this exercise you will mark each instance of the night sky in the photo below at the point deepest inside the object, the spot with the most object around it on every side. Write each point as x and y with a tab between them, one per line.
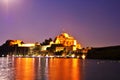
93	23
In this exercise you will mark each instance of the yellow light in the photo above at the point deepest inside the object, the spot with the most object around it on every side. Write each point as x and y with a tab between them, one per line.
25	69
66	34
13	42
26	45
73	55
83	56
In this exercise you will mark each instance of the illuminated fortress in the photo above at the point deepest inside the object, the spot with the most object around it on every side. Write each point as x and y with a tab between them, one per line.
62	42
67	41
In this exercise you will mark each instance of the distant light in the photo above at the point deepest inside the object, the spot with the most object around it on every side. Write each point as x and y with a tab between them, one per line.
13	55
7	55
83	56
33	55
26	45
47	56
2	55
73	55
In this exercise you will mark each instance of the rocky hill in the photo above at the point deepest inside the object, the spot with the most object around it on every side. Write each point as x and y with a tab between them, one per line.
112	52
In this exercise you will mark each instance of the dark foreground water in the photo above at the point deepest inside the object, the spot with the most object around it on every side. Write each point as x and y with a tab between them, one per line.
58	69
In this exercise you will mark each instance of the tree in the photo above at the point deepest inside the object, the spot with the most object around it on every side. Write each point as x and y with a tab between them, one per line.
47	41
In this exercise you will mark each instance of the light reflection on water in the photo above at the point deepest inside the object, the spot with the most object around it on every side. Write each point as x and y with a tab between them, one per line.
24	69
6	68
58	69
64	69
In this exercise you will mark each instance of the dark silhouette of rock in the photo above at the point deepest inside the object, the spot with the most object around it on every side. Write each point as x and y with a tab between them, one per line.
112	52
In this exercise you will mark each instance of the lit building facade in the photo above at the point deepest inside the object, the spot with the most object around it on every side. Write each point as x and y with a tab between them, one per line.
62	42
14	42
23	48
67	41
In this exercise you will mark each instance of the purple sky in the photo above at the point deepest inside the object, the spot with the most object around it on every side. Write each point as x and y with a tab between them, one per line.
93	23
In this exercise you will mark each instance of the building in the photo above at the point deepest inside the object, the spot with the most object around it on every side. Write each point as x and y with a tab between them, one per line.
24	48
67	41
28	46
61	42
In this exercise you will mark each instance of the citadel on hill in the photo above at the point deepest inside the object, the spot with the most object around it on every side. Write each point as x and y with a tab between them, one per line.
61	45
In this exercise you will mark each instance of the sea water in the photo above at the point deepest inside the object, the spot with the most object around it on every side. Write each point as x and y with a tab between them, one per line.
38	68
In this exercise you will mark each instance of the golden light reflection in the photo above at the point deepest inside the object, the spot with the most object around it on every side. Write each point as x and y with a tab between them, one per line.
25	69
64	69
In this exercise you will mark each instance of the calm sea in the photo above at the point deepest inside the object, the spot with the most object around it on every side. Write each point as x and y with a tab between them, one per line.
58	69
